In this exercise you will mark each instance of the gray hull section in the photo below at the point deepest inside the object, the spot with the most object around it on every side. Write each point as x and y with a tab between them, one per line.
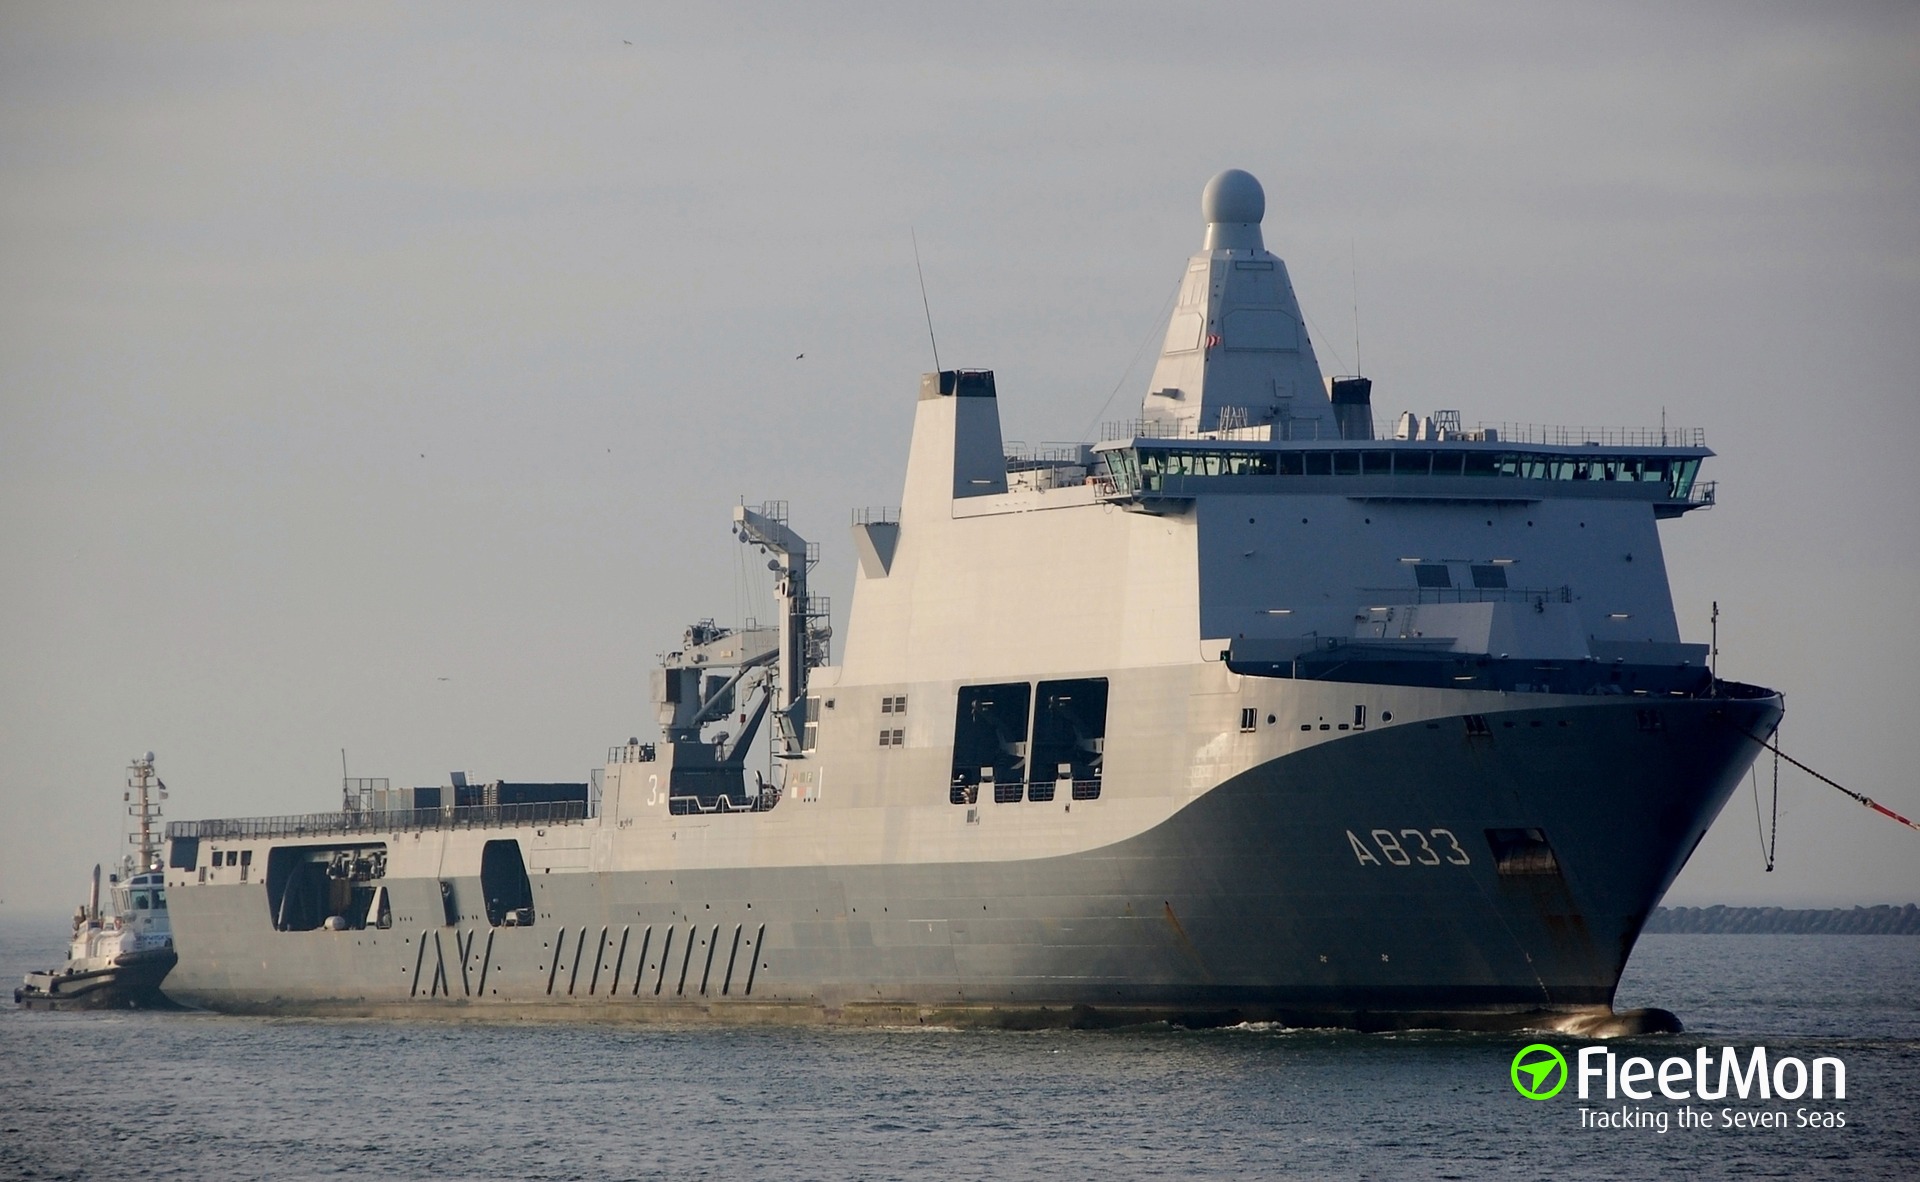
1353	883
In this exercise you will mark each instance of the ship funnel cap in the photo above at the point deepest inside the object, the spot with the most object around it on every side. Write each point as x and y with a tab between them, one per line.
1233	204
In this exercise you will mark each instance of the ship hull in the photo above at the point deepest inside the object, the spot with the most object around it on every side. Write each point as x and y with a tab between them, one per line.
132	981
1361	882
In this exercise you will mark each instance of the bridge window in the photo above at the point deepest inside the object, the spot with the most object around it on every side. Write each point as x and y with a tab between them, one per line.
1489	576
1150	468
1432	574
1683	474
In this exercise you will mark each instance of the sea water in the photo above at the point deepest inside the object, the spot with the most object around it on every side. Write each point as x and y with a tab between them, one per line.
203	1096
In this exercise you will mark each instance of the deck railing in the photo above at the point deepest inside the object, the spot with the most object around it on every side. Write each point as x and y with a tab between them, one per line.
1407	596
1309	430
384	821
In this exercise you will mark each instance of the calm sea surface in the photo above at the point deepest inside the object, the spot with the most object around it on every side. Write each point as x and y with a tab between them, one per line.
184	1095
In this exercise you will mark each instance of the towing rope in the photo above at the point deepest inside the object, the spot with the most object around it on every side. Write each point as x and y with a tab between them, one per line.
1768	845
1779	755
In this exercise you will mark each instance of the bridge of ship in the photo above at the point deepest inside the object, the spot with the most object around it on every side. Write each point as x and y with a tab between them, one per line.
1146	471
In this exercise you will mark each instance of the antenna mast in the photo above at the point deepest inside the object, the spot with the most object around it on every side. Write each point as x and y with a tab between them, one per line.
142	806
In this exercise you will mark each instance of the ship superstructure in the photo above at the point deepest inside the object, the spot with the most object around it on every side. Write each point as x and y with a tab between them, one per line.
1250	710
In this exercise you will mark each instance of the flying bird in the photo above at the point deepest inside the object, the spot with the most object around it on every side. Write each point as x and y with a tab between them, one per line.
798	356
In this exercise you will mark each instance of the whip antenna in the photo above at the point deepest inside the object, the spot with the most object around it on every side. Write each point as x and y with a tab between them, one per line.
923	297
1353	273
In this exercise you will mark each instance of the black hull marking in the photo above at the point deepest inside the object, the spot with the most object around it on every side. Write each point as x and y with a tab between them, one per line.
666	954
686	959
640	961
599	958
619	963
753	957
733	954
419	962
579	951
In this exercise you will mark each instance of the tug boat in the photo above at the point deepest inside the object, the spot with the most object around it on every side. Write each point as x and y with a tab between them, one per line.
119	953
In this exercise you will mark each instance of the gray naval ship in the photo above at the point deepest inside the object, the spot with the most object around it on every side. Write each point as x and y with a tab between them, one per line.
1251	711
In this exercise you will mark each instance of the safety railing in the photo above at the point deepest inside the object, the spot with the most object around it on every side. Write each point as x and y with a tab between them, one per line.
384	820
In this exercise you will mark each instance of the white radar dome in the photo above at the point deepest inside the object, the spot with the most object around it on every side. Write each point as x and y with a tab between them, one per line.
1233	196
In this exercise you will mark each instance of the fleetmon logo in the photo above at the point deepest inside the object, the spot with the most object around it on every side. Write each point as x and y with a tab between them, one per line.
1539	1072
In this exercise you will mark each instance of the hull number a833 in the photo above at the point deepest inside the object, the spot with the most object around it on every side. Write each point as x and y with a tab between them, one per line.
1408	847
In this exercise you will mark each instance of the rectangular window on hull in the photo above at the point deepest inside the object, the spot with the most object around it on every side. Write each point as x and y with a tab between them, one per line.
183	853
989	739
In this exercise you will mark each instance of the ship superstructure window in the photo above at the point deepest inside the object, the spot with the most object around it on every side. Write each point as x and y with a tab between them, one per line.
810	726
1151	468
990	740
1432	574
893	738
1489	576
1249	718
894	705
1069	738
183	853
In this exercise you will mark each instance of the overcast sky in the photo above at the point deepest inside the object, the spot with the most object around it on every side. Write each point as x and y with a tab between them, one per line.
380	377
